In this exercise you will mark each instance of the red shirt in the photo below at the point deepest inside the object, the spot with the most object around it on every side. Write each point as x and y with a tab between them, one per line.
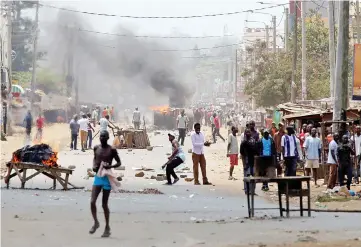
104	113
216	122
302	138
40	123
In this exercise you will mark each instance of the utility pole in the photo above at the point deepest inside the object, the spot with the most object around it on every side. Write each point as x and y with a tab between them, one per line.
294	59
235	79
267	38
341	86
7	108
304	62
69	63
286	29
331	26
274	33
358	22
35	54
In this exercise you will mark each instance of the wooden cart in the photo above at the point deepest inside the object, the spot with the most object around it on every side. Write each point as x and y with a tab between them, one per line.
54	173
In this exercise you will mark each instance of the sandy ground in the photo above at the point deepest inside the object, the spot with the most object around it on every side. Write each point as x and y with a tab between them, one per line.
185	215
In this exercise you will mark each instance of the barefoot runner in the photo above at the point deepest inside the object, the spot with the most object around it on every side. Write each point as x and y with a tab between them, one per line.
103	154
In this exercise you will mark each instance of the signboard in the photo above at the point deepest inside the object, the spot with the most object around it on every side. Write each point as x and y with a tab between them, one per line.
356	92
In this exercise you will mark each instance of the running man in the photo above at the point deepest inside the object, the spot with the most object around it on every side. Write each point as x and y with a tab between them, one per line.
103	154
175	159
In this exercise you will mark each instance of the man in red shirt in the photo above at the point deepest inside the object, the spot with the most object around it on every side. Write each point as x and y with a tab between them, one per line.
39	126
217	126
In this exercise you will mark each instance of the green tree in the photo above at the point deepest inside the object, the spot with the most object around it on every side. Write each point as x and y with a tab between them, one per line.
269	77
22	35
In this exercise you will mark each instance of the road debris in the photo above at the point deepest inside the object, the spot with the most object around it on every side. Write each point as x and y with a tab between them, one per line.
188	179
139	174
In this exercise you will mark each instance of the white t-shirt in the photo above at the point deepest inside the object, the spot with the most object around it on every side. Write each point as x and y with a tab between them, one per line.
357	144
234	144
103	122
83	123
332	146
182	121
290	150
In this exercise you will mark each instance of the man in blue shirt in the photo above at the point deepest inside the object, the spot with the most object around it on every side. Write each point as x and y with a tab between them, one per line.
267	155
312	147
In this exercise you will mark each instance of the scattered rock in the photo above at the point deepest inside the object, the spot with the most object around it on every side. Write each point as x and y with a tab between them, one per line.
186	169
119	178
168	154
306	239
150	148
188	179
120	168
139	174
190	151
160	178
41	212
262	245
156	133
146	177
72	167
153	177
130	150
182	176
16	216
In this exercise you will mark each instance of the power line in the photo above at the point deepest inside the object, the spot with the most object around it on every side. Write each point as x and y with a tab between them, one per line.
161	17
154	37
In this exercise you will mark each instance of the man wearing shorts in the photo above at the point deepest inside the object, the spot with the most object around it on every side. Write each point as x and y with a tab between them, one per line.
232	151
312	147
103	154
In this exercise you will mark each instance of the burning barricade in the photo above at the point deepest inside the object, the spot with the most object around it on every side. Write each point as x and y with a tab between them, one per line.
41	154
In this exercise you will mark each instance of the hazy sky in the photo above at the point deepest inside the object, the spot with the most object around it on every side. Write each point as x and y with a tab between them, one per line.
196	26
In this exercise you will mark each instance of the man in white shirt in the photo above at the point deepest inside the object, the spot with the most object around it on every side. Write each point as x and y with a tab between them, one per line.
104	123
182	123
356	139
289	151
198	144
136	119
83	127
332	162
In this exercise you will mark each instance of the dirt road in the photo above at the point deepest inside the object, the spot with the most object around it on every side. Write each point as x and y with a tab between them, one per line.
185	215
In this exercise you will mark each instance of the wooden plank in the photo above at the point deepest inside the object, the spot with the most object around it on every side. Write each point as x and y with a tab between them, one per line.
18	173
66	181
57	178
35	174
24	179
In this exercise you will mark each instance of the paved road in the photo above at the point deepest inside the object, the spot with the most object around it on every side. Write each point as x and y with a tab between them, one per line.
184	215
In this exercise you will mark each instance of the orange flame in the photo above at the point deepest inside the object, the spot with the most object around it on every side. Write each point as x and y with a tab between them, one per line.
163	109
15	159
52	160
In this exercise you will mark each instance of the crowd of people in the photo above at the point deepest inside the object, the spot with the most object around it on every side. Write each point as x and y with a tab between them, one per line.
280	147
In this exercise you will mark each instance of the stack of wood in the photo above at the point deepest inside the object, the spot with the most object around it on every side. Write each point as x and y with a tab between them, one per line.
131	138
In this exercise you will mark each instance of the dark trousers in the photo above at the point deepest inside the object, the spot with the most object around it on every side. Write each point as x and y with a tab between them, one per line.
248	170
182	135
90	138
74	140
170	168
136	125
342	171
216	133
291	165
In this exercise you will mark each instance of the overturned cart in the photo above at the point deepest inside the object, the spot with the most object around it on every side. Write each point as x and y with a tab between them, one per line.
131	138
41	159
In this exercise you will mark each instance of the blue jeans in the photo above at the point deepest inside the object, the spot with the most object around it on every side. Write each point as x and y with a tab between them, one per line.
291	165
